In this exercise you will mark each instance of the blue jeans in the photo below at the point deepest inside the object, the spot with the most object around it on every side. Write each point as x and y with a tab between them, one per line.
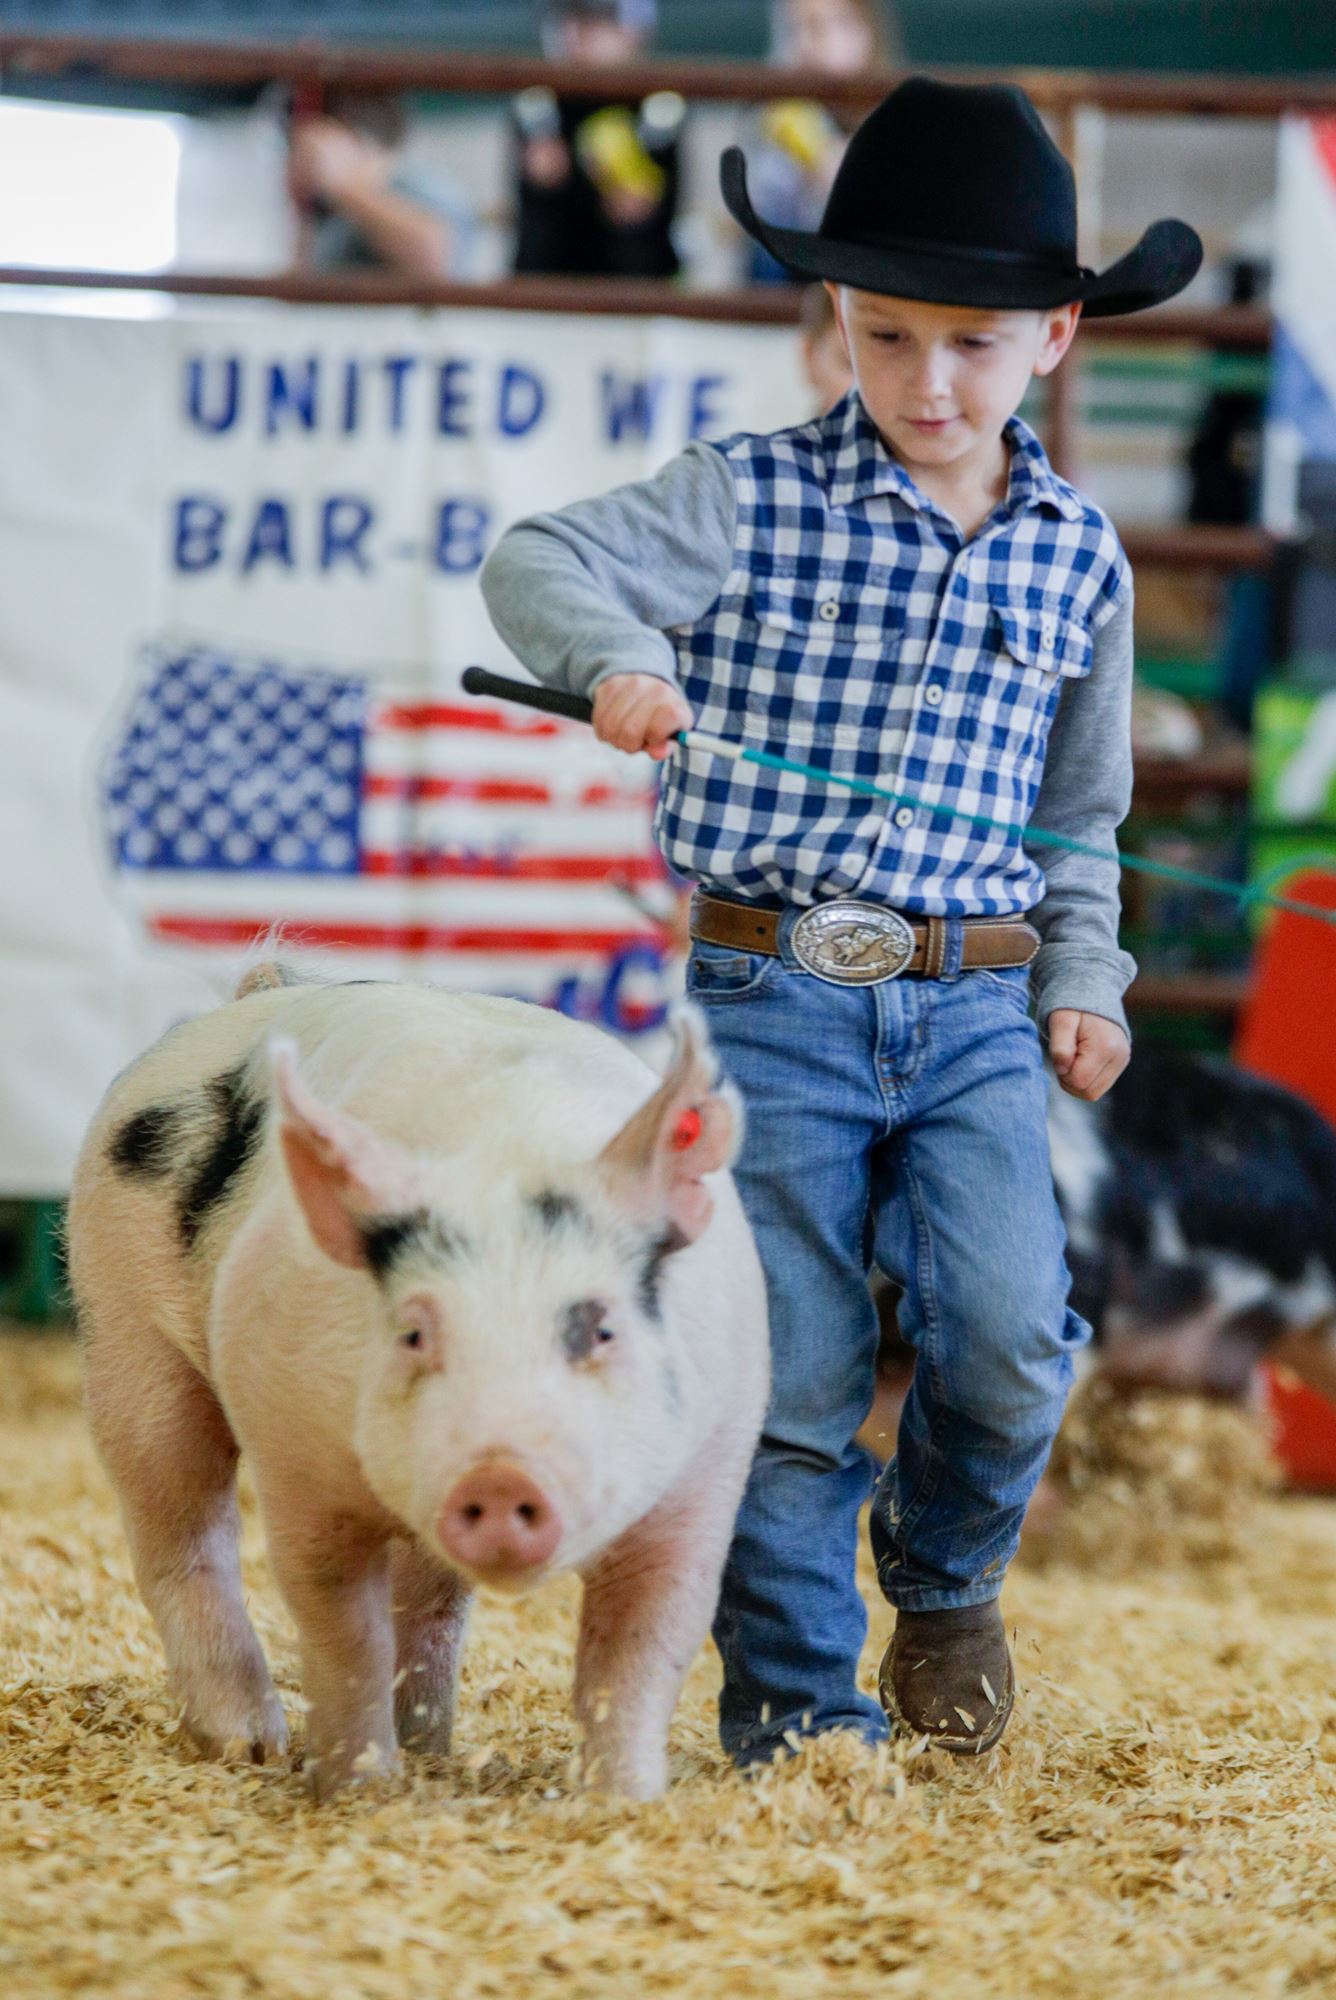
902	1124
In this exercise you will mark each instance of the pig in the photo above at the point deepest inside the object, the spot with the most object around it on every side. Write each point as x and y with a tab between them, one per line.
473	1290
1200	1205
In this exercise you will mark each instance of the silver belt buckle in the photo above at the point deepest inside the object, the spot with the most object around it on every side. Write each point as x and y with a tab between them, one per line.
852	944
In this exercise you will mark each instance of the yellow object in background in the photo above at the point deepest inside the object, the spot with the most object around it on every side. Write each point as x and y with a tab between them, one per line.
613	157
801	129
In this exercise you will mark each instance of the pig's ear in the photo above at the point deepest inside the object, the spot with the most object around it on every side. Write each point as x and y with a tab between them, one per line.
691	1126
341	1174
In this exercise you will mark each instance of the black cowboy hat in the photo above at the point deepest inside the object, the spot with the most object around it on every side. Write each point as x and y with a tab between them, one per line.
955	193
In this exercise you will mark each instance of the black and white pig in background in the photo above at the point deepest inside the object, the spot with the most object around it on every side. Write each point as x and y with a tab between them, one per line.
473	1290
1200	1204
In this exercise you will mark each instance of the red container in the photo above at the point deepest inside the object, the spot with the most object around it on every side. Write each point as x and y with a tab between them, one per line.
1305	1432
1288	1033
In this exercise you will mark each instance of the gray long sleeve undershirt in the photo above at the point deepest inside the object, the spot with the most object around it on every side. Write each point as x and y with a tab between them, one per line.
592	591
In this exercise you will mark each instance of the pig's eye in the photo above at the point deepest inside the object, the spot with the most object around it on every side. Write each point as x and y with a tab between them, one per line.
418	1333
585	1330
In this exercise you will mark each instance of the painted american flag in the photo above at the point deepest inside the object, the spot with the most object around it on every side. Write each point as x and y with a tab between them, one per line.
386	836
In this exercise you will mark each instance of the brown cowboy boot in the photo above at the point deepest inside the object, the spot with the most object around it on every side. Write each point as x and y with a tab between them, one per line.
947	1675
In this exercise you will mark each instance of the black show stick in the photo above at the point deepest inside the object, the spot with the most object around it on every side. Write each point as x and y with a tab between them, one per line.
477	680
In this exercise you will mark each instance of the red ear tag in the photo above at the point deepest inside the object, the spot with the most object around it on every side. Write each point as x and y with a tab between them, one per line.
686	1131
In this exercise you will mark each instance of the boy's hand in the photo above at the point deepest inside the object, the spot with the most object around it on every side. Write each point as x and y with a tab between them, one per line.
638	712
1088	1052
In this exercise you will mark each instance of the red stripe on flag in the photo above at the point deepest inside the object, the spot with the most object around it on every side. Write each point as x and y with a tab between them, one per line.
448	715
501	791
494	791
613	795
516	867
231	932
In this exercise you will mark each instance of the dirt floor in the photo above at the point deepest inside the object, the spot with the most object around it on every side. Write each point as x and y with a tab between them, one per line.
1161	1819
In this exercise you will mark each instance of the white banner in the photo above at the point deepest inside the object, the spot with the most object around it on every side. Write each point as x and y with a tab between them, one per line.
238	563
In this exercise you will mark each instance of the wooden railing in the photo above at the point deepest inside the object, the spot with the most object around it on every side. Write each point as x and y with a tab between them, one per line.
240	65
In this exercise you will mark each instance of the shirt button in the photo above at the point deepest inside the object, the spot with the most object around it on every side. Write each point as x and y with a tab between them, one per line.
830	611
933	694
905	816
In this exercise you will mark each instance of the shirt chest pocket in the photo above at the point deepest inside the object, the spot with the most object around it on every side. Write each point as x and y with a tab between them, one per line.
827	616
819	656
1043	644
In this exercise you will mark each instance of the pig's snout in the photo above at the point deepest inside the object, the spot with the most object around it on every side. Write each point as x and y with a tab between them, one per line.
497	1518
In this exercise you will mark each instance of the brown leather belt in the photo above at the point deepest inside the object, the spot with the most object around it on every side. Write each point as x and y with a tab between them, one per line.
859	944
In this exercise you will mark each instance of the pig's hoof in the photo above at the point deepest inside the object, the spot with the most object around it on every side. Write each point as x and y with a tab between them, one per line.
425	1727
636	1783
240	1737
335	1772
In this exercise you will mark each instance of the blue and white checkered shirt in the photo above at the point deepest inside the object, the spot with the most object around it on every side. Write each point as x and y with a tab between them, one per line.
809	599
857	630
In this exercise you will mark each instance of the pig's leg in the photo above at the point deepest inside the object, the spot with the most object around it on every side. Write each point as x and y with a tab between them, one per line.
169	1451
648	1601
431	1607
334	1574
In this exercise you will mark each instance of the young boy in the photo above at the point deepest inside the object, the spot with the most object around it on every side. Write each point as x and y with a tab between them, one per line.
903	591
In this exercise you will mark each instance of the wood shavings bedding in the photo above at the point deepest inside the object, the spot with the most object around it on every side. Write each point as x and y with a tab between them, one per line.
1145	1478
1160	1820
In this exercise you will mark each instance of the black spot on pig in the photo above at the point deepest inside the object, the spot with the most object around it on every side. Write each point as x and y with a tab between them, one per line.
1156	1291
392	1239
651	1271
583	1330
147	1143
234	1115
557	1210
387	1238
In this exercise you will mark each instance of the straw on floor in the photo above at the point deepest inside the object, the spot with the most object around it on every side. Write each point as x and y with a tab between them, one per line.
1161	1819
1151	1478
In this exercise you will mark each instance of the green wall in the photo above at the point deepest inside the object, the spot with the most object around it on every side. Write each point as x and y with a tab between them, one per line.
1253	36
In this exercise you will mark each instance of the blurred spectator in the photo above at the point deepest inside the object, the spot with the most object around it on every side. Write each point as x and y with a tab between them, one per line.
825	362
1225	454
596	174
1224	462
794	146
358	205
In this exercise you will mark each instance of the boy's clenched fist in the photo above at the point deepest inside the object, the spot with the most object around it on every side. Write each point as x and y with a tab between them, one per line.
639	712
1088	1052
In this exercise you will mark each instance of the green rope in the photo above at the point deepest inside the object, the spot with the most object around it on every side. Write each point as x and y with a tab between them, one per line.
1324	861
1256	893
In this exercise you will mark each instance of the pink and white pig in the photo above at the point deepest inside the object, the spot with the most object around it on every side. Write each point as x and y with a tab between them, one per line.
474	1292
